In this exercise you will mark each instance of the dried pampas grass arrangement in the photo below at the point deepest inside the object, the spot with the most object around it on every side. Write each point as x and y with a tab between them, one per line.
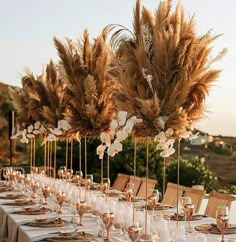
40	98
163	69
88	89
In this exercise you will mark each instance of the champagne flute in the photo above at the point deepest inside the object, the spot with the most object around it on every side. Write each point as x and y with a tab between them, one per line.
128	191
88	181
222	218
153	199
187	207
105	185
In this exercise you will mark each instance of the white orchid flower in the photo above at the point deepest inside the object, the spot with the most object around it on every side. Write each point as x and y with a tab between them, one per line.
169	132
63	124
56	131
24	139
114	125
160	137
167	152
14	136
114	148
100	151
51	137
129	124
121	135
162	146
30	136
37	125
170	142
162	121
42	129
36	131
105	138
121	117
30	128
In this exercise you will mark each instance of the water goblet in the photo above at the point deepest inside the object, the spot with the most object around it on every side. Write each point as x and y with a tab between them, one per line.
135	232
187	207
81	207
61	197
222	219
153	199
108	220
88	181
105	185
46	190
128	192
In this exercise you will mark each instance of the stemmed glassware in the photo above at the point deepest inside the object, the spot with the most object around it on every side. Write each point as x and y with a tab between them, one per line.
222	218
128	192
105	185
135	232
108	220
153	199
88	181
81	209
187	207
46	190
61	197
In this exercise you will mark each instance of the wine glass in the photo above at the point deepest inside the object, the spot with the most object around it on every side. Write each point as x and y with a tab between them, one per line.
135	232
88	181
187	207
46	190
81	209
105	185
108	220
222	218
61	197
153	199
128	191
69	174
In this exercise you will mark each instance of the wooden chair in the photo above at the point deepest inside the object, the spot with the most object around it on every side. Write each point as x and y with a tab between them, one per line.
170	195
120	182
196	196
217	199
151	183
137	182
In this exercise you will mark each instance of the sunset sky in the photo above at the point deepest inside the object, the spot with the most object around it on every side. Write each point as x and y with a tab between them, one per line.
28	27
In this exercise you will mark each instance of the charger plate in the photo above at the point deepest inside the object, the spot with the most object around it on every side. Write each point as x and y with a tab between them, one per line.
34	212
212	229
48	223
74	237
195	217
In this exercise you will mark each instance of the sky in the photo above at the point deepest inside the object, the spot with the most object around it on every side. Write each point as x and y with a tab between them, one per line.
27	28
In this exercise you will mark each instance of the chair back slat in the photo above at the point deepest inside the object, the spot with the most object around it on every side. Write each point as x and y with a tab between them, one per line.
120	182
196	197
217	199
137	182
170	195
151	183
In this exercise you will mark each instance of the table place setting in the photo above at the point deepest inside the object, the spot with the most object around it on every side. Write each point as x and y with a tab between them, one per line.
48	222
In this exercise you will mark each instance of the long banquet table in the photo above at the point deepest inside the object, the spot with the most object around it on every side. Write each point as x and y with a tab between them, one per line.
14	228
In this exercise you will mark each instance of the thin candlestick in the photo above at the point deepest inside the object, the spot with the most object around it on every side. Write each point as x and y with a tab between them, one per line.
147	160
135	157
71	154
66	152
55	159
101	169
45	156
80	157
31	154
164	183
34	152
178	165
50	160
85	156
108	166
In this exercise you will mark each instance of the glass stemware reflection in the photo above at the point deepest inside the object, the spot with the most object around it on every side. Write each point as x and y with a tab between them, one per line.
34	187
61	197
46	190
88	181
187	207
108	220
81	209
105	185
135	232
153	199
128	192
222	218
